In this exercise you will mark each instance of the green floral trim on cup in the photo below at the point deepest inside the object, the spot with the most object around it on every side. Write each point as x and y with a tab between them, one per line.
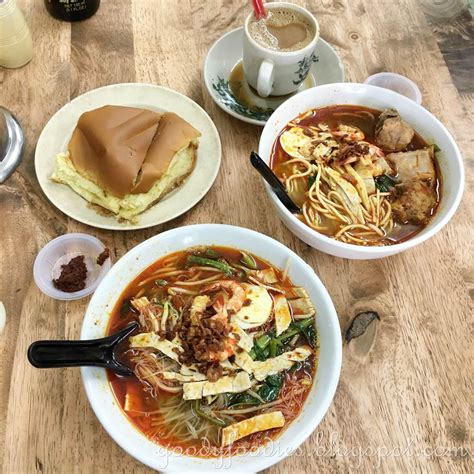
229	100
304	67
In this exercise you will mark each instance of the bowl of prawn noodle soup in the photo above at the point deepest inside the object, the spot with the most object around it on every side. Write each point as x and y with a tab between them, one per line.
444	187
100	318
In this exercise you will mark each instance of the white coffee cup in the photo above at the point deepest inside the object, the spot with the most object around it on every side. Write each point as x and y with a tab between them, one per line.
278	72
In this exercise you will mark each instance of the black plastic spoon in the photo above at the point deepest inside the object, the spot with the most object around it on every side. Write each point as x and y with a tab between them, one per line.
270	177
95	352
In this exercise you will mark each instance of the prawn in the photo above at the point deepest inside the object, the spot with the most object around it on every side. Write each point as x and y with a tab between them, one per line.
228	351
236	301
348	133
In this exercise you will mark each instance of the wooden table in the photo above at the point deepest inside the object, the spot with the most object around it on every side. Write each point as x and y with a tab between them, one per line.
403	402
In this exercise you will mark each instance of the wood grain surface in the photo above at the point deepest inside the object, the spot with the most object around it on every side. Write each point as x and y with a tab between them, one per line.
404	402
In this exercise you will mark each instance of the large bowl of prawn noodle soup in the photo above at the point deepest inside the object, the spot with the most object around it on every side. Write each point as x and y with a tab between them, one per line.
373	172
237	356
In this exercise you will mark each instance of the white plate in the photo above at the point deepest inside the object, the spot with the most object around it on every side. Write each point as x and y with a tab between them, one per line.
226	53
56	135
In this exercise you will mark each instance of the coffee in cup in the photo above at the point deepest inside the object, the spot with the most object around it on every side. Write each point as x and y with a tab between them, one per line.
282	30
278	51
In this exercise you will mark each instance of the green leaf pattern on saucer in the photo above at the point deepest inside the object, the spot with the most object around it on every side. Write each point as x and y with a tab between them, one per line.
228	98
304	67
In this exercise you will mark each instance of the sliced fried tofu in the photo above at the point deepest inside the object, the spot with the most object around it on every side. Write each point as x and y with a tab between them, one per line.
177	377
244	340
296	292
241	382
226	364
244	361
193	390
226	384
261	370
190	369
133	399
282	313
223	385
266	421
302	306
150	339
267	276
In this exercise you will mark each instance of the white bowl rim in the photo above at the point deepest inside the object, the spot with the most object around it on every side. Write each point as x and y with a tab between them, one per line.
258	462
369	250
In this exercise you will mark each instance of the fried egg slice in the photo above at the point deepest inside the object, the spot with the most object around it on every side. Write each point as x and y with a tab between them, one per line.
263	422
257	308
296	143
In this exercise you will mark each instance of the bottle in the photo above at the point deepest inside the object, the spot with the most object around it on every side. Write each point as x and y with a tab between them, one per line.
16	47
72	10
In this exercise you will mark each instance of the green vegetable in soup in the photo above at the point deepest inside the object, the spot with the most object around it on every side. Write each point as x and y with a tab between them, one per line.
211	253
269	345
125	308
384	183
248	261
268	392
263	341
211	419
222	266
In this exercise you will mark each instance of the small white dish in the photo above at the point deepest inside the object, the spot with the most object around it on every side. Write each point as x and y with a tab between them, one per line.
226	53
396	83
60	251
426	124
56	135
319	398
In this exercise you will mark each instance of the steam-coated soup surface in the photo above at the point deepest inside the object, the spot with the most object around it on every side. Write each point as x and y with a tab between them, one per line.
225	355
360	175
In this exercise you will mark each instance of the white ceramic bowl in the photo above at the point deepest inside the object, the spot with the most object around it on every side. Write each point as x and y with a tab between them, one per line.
139	258
428	126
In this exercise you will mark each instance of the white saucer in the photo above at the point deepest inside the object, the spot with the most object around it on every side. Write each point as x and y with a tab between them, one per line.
56	135
226	53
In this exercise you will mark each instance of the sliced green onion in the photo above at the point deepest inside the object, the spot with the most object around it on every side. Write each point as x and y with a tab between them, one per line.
436	148
160	282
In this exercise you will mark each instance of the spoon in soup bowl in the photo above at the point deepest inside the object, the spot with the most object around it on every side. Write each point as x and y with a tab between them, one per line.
270	177
93	352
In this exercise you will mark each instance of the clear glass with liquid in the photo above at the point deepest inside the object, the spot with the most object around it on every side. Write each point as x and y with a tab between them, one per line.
16	46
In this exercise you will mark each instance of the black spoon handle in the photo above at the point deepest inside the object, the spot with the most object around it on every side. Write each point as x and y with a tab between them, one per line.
95	352
270	177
